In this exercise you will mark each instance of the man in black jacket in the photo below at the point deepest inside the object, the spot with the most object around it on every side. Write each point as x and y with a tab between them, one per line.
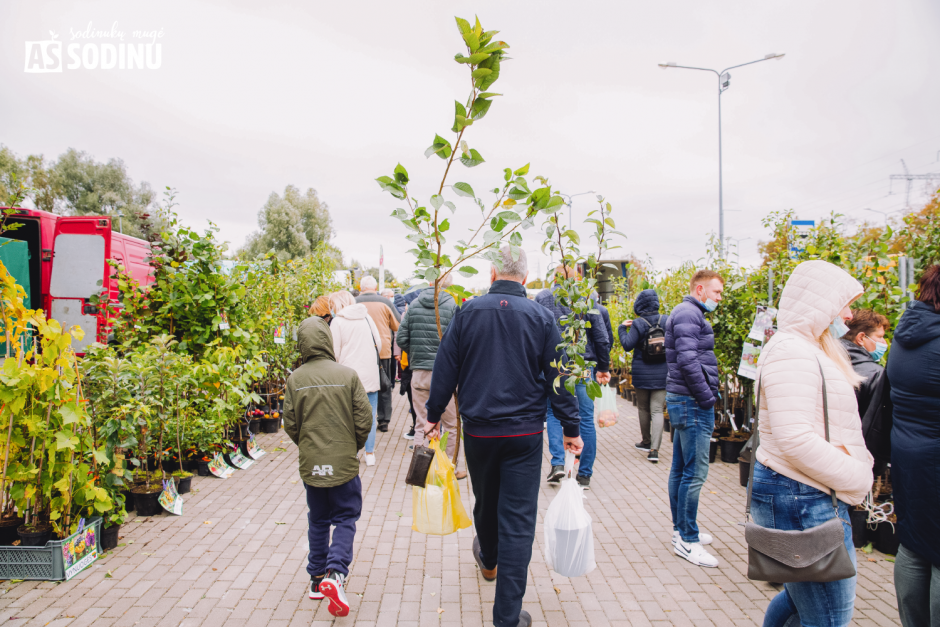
498	352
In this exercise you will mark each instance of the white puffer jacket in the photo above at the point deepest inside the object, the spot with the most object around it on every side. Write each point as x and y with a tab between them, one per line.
792	431
355	338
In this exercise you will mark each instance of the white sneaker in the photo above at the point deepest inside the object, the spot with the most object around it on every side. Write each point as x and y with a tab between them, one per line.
333	588
693	552
370	459
703	538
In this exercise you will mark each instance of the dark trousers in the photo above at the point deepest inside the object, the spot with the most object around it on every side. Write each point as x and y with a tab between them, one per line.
505	474
917	583
385	398
339	506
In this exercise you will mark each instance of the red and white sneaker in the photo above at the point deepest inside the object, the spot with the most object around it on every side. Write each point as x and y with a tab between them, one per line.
333	588
315	593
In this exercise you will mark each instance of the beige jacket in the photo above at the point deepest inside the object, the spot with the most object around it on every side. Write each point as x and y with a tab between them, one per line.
792	431
355	338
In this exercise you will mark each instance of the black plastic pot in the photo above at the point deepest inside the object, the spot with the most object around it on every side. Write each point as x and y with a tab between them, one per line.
888	541
203	469
34	538
667	426
183	484
859	519
270	425
712	450
8	533
730	451
128	500
147	503
254	426
744	470
109	538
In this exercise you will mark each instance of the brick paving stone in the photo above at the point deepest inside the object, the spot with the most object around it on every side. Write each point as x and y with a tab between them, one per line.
237	556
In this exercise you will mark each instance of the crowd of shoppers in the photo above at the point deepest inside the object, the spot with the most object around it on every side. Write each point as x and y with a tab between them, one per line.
828	412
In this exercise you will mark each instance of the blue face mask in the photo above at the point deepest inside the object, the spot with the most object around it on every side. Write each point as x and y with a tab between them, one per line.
880	349
710	305
837	328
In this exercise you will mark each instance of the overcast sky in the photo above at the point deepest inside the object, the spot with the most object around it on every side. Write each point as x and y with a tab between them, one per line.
251	97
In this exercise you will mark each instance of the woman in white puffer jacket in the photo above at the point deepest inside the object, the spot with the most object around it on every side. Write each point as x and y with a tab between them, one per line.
796	467
355	340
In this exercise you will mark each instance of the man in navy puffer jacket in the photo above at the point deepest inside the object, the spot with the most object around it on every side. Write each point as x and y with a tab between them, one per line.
597	350
691	393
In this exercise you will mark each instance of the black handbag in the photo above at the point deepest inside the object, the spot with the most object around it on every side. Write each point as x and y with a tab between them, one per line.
812	555
385	384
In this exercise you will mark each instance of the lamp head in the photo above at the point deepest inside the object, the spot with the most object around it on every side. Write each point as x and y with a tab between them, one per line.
775	55
667	64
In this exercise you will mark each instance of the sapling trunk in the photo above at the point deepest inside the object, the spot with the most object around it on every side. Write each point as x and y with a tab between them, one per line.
179	447
6	454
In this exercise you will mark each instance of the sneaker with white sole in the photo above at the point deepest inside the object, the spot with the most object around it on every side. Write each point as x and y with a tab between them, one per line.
640	446
703	538
315	593
370	459
410	435
693	552
333	587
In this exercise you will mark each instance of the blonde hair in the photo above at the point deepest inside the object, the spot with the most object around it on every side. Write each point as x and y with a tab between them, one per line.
340	300
837	353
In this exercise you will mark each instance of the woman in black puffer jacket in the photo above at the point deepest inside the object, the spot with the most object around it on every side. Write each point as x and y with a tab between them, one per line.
649	375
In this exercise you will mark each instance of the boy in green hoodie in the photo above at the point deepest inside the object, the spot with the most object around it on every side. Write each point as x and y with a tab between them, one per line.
328	416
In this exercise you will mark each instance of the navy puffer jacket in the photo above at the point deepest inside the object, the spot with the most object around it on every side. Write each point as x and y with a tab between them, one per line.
598	342
914	371
646	376
690	354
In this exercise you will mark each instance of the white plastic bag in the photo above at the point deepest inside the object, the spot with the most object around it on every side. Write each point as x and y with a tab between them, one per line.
605	408
569	538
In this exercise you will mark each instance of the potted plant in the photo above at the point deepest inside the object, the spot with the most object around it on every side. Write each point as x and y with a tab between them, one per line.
731	446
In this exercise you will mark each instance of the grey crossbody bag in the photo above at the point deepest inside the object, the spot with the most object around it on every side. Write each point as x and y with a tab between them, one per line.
815	555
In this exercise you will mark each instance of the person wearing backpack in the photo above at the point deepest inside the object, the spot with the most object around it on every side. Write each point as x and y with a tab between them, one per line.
646	337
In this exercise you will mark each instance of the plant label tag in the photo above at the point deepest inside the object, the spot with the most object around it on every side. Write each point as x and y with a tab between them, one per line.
80	549
280	334
170	499
224	324
254	451
240	460
219	468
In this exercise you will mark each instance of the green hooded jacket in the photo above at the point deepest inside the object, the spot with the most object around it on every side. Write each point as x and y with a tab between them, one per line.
326	410
417	334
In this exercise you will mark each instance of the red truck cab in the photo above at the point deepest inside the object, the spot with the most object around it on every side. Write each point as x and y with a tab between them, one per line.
68	258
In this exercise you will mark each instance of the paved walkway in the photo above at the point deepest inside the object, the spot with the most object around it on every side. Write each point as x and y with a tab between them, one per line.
237	556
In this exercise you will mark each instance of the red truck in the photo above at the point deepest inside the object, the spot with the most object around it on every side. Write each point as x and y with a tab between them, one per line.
68	265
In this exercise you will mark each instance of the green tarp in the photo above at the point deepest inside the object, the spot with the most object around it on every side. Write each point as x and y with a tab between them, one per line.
14	254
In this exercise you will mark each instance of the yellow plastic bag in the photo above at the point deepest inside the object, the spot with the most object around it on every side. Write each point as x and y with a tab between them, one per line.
436	508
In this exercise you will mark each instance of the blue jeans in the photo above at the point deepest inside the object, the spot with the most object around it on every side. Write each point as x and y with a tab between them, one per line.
917	583
779	502
556	444
374	401
339	506
693	432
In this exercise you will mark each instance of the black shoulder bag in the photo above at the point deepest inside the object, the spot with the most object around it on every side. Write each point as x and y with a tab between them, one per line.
384	383
812	555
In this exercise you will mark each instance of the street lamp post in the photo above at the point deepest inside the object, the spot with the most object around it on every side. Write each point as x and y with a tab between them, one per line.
570	223
724	81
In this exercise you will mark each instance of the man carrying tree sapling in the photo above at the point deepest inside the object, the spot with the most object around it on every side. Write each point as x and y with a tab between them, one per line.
328	416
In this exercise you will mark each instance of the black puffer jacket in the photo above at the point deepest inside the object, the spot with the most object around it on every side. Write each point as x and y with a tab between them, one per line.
874	401
417	334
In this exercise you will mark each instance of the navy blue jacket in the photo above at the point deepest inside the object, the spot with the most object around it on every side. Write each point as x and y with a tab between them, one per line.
598	342
497	353
610	332
914	373
646	376
690	354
